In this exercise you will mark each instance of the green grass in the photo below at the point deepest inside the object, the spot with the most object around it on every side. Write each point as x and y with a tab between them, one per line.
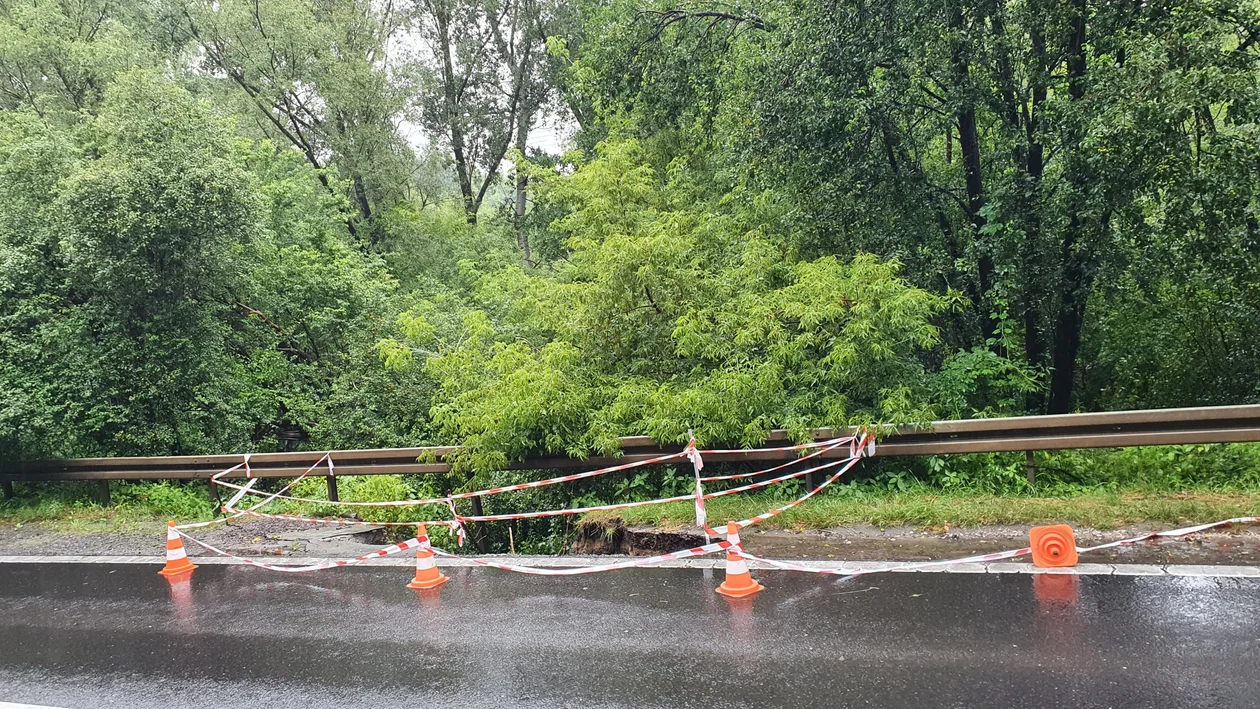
936	510
74	507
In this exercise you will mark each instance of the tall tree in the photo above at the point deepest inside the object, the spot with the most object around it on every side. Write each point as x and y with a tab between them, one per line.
485	83
318	76
1007	149
59	56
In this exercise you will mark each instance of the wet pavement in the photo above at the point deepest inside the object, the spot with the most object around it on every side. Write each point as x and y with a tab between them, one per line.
99	635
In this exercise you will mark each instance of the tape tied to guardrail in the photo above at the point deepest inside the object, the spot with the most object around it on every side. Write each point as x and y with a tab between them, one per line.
859	447
457	523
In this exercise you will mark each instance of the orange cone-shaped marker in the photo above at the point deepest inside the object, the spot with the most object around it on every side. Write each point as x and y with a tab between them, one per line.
1052	546
427	575
739	583
176	559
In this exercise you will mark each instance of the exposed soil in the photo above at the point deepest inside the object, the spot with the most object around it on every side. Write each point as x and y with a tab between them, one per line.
257	537
263	537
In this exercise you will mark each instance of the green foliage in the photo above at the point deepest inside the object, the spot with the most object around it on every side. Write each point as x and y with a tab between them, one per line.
170	288
165	499
142	504
1159	469
665	318
365	488
1063	182
216	226
57	58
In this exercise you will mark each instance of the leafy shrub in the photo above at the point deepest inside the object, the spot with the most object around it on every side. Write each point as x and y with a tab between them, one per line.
165	498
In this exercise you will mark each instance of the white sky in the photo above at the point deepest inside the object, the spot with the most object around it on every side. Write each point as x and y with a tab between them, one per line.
551	135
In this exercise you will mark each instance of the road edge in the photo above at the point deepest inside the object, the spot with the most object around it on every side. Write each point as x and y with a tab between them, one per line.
1201	570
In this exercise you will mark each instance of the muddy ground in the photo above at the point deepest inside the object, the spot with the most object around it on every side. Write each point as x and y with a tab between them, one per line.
280	538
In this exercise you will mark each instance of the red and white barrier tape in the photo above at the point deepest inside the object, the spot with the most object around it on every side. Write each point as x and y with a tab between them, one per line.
452	524
801	446
1171	533
466	495
412	543
994	556
416	542
740	476
579	570
909	566
690	451
697	464
858	451
700	551
215	479
660	501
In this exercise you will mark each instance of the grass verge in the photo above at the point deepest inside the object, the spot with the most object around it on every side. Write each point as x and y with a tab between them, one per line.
73	508
934	510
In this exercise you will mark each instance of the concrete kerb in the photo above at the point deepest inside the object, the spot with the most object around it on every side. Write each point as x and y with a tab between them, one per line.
1203	570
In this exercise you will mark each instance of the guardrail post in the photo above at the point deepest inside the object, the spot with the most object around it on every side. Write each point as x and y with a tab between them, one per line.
214	494
8	489
332	488
103	486
1030	467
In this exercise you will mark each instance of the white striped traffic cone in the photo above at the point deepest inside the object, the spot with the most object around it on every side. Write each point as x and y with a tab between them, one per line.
176	558
427	575
739	583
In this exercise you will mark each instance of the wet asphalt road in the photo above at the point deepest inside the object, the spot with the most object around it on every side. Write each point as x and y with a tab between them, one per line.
119	636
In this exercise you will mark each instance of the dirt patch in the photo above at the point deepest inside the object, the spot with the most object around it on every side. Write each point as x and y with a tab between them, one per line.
614	537
255	537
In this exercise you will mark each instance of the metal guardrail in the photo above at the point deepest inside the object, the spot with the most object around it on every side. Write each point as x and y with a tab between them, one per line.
1218	424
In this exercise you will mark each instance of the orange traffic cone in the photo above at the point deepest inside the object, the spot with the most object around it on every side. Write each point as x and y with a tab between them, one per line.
1052	546
739	583
427	575
176	559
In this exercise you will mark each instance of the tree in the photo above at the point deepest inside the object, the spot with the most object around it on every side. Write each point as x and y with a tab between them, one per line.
318	76
1006	150
484	85
57	57
168	288
665	318
119	332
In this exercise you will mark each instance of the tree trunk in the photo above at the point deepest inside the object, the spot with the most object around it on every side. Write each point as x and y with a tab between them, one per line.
1076	276
1073	295
450	95
361	200
1034	346
518	216
479	529
969	146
